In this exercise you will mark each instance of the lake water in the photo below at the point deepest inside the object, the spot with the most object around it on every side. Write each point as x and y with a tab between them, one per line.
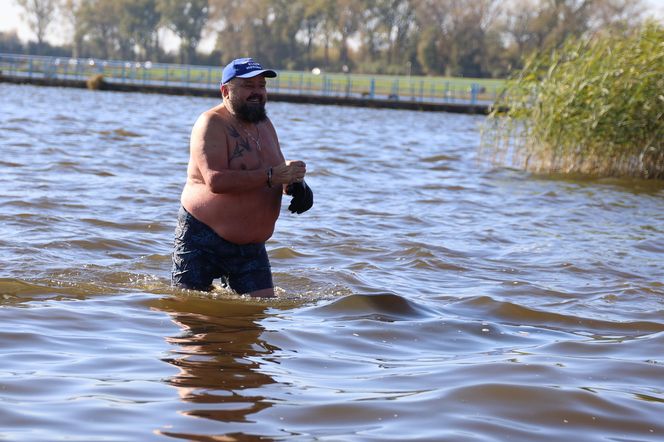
426	296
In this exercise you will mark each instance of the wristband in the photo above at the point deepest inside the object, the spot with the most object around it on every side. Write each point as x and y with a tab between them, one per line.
269	177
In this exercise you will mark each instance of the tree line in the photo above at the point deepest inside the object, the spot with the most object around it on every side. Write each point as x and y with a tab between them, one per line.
466	38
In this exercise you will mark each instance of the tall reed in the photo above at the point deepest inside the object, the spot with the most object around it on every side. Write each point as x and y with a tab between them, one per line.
594	106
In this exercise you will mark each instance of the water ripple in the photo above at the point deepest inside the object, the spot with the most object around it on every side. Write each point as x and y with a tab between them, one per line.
426	296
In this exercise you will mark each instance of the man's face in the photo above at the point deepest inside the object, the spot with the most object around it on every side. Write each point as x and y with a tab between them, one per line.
247	98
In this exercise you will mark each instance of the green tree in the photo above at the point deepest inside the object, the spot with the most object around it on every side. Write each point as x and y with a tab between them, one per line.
324	13
138	25
285	23
186	19
99	27
38	14
396	24
311	20
530	25
456	36
267	31
432	52
243	28
348	21
71	15
227	21
451	37
9	42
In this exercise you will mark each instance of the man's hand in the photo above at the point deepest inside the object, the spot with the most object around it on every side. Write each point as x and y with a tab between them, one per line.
303	197
289	172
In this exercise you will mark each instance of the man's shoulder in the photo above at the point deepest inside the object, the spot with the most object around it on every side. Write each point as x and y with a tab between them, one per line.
215	115
269	125
214	119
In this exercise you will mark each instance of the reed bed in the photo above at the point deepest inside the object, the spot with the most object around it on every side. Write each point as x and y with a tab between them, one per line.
595	106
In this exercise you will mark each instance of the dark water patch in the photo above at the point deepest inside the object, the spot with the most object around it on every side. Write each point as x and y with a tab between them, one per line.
21	144
617	346
96	244
323	172
565	413
286	253
64	118
510	313
439	157
10	164
126	226
362	266
653	246
441	168
13	130
452	188
99	365
16	292
435	264
339	160
119	134
20	120
103	173
379	307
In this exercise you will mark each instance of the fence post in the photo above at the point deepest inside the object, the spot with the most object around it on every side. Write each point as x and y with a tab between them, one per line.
474	88
394	94
372	88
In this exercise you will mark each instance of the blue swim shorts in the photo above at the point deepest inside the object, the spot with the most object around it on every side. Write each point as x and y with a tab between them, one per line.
200	256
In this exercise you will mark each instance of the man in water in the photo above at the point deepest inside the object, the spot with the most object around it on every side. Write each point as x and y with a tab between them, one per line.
235	180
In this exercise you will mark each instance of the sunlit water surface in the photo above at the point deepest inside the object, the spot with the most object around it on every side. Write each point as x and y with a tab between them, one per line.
426	296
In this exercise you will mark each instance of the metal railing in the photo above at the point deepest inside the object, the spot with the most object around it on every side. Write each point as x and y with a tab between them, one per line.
377	87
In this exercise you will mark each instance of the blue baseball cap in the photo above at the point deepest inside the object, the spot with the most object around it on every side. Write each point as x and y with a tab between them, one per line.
244	68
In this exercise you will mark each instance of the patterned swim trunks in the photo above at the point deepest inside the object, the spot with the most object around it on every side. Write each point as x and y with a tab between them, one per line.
200	256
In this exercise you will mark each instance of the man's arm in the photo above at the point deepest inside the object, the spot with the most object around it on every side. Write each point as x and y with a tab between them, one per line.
210	153
294	170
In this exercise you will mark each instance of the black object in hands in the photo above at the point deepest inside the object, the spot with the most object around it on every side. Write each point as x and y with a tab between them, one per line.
303	197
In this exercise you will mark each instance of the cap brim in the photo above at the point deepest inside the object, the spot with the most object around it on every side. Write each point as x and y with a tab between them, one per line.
269	73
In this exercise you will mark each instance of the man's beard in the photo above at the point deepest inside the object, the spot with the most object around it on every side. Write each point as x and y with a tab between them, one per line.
251	112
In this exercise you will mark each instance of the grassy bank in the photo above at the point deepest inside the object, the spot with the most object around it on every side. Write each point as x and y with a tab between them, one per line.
406	87
595	106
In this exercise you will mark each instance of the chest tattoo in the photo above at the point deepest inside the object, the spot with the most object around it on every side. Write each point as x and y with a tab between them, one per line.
241	144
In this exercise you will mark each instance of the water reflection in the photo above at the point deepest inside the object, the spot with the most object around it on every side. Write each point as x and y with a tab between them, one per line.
218	356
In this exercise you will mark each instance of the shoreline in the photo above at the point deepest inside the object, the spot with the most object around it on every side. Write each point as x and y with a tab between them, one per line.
462	108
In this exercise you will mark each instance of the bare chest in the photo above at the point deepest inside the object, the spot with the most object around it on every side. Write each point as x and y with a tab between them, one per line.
250	150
